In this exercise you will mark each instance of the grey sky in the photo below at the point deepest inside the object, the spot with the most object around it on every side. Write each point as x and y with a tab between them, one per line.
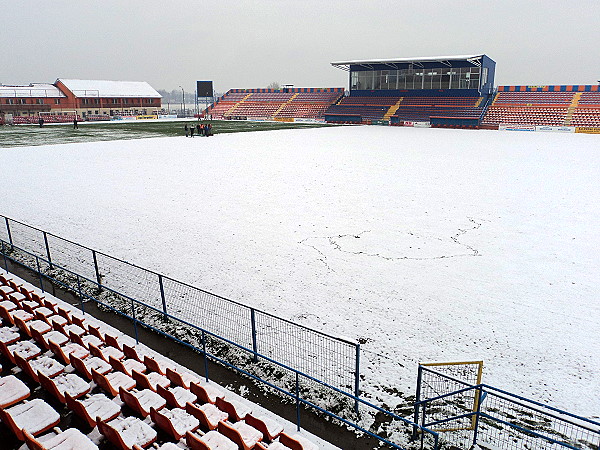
245	44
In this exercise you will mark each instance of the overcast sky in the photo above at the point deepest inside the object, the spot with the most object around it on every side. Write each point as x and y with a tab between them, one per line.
247	44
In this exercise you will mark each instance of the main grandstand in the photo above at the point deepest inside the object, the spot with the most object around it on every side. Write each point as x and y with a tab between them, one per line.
448	90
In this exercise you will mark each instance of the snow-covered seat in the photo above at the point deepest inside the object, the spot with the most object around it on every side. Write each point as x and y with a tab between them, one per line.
56	319
150	380
155	365
207	392
85	339
63	383
269	428
9	335
64	352
237	410
93	407
297	442
176	397
126	365
12	390
124	433
105	352
175	422
208	414
133	352
85	366
21	314
112	381
181	379
8	305
25	349
5	290
142	401
245	436
213	440
71	438
42	364
17	296
43	312
35	416
44	339
41	326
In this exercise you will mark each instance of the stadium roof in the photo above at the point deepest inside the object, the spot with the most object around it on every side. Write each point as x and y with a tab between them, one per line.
446	60
104	88
30	90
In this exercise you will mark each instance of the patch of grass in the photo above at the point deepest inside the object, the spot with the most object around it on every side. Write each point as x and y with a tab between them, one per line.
32	135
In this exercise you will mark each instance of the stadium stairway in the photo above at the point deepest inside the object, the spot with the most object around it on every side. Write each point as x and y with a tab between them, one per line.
392	110
283	105
241	102
572	108
65	397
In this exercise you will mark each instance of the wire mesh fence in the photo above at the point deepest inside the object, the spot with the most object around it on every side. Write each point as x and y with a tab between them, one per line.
469	413
327	358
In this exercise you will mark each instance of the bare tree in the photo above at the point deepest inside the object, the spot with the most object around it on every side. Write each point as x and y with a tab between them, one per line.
274	85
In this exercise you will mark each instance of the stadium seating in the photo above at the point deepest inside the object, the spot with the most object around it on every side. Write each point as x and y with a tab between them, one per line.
127	413
273	105
529	108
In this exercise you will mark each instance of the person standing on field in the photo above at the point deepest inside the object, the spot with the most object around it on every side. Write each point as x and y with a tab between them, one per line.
186	130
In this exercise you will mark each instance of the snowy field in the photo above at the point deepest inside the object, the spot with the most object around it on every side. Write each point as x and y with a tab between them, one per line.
426	245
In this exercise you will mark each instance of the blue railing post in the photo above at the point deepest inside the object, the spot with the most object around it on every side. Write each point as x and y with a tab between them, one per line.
162	293
135	330
205	357
37	261
47	249
253	321
80	294
96	268
417	399
4	255
357	378
476	427
297	401
8	231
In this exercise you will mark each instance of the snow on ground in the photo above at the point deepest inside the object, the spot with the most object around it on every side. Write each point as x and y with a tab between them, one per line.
425	244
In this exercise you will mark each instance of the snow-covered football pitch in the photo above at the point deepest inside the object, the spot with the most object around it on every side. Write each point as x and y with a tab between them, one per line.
422	244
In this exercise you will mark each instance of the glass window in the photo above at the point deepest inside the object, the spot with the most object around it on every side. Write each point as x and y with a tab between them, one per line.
354	80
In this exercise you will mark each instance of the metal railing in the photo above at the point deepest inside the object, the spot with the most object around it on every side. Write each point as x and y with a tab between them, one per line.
479	414
305	390
331	359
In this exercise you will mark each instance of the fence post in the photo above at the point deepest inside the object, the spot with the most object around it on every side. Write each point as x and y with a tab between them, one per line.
96	268
47	249
37	261
253	321
162	293
4	254
8	230
357	378
137	341
478	396
80	295
417	399
297	401
205	358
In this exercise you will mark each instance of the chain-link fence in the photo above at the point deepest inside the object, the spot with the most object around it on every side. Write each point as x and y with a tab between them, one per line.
327	358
